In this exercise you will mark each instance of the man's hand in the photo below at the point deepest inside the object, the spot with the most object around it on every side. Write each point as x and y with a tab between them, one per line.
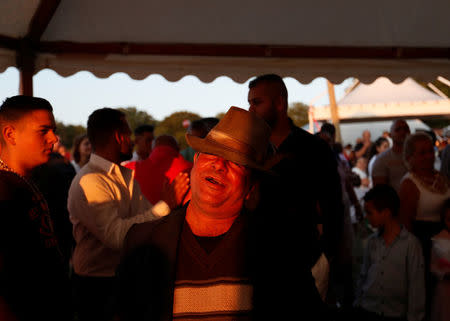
174	193
365	182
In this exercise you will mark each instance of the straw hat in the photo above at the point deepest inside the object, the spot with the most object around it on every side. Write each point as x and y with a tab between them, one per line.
240	136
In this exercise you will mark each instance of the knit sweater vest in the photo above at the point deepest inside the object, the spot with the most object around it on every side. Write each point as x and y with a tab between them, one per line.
214	285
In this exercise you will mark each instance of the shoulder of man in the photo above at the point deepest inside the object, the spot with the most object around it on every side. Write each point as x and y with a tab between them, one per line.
380	162
303	141
12	187
386	154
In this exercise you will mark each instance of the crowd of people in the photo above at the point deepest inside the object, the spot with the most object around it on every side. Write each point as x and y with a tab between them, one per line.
241	225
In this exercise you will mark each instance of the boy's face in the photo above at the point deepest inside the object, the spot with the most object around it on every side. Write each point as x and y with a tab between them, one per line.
375	217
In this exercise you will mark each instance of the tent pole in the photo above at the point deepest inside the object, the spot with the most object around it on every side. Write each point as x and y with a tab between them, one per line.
26	64
334	111
26	83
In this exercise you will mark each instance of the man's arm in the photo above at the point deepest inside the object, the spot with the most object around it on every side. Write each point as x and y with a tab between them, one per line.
409	199
329	193
5	312
363	272
96	206
416	286
379	172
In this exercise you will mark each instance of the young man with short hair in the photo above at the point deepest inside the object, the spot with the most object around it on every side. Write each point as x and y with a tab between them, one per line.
34	283
306	192
104	202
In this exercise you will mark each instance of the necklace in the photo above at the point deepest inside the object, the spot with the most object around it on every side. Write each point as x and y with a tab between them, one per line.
436	184
34	189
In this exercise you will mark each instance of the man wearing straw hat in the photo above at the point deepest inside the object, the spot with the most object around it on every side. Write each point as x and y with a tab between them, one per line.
203	260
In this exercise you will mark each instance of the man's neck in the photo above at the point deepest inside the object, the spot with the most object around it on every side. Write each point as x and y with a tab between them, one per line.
14	164
390	231
108	155
397	148
203	224
280	131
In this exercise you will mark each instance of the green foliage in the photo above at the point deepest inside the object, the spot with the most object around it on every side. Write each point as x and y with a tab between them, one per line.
298	112
220	115
173	125
67	133
137	117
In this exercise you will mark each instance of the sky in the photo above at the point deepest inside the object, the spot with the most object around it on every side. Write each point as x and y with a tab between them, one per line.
74	98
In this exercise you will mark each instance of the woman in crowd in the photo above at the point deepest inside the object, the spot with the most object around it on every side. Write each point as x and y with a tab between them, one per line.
423	192
81	151
440	267
380	145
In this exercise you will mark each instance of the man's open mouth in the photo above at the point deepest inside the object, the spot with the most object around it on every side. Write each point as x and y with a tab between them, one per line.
212	180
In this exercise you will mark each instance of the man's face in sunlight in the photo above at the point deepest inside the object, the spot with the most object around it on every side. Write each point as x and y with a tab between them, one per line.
262	100
35	137
126	145
218	184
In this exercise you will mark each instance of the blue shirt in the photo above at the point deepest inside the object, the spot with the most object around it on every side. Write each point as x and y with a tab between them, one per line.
392	278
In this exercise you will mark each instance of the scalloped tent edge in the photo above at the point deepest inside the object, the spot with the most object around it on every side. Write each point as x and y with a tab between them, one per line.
174	39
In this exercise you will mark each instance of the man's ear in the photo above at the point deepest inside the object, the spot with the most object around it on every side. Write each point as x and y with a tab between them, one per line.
9	134
281	103
254	188
118	137
196	156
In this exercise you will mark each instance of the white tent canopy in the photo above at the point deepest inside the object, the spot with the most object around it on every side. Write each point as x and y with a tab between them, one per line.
384	91
239	39
385	100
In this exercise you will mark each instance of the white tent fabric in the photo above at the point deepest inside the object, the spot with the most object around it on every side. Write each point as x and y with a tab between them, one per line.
384	99
383	90
239	39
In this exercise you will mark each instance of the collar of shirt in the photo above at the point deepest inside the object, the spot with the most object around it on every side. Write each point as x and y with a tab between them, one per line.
402	235
110	168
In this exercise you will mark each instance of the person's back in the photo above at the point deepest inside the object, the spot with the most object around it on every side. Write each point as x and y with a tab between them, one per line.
389	167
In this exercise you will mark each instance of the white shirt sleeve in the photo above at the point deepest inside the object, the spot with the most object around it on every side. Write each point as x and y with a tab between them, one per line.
97	206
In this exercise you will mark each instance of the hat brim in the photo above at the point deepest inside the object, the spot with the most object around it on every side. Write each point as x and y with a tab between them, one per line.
209	146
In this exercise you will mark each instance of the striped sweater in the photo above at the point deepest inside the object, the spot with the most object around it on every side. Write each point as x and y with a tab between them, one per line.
213	284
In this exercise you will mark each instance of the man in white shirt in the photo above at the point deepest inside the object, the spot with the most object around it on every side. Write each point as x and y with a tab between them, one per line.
104	202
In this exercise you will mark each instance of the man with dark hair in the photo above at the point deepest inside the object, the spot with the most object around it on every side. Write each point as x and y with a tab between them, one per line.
34	283
104	202
203	260
306	193
143	138
199	128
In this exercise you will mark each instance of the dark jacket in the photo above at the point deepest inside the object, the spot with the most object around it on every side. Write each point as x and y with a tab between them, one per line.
305	191
33	280
147	275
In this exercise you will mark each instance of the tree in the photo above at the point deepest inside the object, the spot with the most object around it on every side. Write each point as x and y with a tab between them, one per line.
137	117
220	115
173	125
298	112
67	133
